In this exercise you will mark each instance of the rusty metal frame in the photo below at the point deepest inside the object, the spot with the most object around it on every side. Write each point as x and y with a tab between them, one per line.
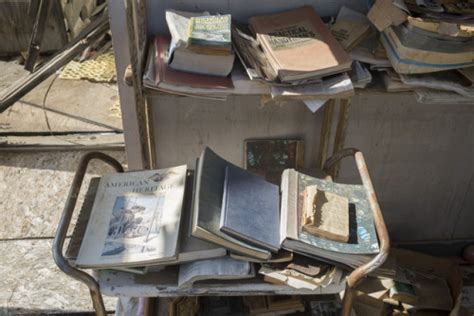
361	272
65	221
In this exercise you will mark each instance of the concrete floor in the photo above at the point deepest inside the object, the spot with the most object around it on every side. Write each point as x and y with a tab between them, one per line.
34	186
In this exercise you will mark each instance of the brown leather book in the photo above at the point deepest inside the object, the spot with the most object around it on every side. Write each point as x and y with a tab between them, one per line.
298	44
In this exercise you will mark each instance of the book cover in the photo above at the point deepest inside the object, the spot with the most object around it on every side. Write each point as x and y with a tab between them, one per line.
173	79
250	209
210	33
207	206
269	157
287	36
135	219
362	235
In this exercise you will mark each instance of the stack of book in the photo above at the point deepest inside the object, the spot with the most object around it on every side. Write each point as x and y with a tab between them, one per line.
430	46
198	59
221	221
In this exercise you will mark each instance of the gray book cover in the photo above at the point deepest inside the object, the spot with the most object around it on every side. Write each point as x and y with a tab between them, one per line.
250	209
207	204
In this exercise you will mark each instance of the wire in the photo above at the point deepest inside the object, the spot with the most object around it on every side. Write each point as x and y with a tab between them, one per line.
45	112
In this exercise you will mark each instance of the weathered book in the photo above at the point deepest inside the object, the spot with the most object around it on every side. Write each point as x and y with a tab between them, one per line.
135	219
363	240
269	157
325	214
287	36
184	58
207	206
250	209
450	80
210	34
350	28
192	248
412	50
214	269
159	76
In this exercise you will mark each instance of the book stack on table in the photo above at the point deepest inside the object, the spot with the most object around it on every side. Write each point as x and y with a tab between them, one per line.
422	46
429	46
193	62
223	222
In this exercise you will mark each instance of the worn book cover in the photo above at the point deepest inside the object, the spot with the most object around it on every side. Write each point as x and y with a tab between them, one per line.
178	81
135	219
269	157
413	50
207	206
287	36
350	28
325	214
210	34
251	209
362	235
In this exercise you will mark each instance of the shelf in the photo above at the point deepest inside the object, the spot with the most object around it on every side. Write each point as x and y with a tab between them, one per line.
164	283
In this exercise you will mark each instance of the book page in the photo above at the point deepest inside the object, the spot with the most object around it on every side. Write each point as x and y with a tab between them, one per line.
221	268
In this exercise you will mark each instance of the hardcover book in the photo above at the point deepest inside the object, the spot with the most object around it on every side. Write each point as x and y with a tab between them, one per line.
362	241
287	36
135	219
198	43
250	209
207	206
210	34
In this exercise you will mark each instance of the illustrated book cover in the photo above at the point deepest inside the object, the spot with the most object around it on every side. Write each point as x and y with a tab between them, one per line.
135	219
287	36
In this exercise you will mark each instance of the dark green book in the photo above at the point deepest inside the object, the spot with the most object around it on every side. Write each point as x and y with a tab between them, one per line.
210	34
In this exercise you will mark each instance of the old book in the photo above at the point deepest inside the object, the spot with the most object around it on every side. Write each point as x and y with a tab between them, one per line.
210	34
250	209
360	75
385	13
325	214
214	269
269	157
363	240
287	36
207	206
183	55
130	211
160	77
350	28
450	80
412	50
192	248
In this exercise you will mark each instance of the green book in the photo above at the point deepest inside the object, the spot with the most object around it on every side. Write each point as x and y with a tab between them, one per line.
210	34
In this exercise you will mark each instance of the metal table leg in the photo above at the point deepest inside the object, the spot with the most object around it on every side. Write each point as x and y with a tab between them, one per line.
361	272
65	221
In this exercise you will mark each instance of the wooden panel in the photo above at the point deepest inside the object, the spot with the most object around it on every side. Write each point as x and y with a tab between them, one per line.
183	126
16	26
127	100
420	159
464	226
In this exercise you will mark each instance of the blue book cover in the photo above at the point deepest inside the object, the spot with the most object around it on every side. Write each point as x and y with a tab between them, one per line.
250	209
